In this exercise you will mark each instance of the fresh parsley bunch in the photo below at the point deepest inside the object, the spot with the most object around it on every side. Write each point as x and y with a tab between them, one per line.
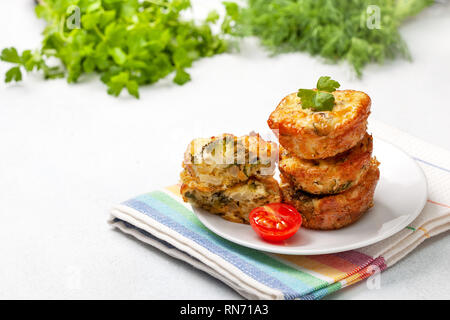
336	30
320	99
128	42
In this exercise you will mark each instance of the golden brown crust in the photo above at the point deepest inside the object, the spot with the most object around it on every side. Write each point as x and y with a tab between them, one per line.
331	175
318	135
330	212
234	203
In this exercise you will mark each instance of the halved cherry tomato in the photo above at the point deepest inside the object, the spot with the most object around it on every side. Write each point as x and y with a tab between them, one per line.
275	221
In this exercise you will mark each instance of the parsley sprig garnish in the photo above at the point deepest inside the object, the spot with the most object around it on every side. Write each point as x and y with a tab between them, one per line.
320	99
29	61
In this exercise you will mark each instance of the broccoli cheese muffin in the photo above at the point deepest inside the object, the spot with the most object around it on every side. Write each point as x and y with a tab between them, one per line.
327	212
236	202
312	134
222	161
330	175
229	175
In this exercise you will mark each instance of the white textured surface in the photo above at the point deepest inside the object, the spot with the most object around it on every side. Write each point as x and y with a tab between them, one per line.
71	151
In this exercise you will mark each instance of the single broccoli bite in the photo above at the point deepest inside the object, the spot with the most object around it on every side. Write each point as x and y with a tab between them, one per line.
236	202
312	134
219	162
331	175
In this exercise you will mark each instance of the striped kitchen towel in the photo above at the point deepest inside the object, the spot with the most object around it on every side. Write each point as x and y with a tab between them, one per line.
163	220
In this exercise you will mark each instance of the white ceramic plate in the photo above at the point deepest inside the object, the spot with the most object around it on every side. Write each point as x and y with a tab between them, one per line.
400	196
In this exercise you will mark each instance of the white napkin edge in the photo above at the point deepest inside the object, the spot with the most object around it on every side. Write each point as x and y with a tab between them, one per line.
399	243
406	250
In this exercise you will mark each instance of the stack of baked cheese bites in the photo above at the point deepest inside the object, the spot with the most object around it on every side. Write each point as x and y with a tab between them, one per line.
327	170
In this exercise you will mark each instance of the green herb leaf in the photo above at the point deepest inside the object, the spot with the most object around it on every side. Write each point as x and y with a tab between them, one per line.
232	15
13	74
133	88
212	17
10	55
117	83
29	61
181	77
327	84
324	101
118	55
308	97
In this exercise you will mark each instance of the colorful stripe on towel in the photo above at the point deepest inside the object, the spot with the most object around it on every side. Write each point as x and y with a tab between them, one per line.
297	277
